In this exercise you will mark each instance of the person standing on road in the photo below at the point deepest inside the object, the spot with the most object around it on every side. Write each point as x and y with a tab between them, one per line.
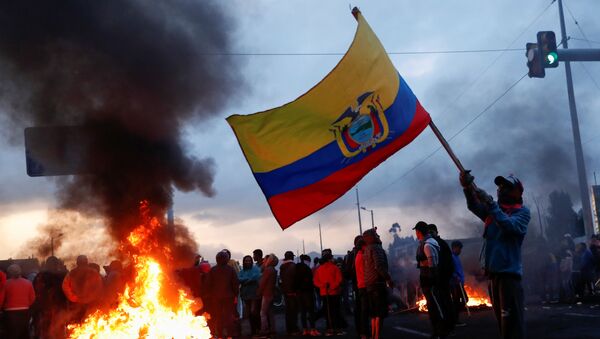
223	285
328	278
266	289
376	278
428	264
457	283
361	308
287	276
306	296
19	295
445	272
505	228
249	277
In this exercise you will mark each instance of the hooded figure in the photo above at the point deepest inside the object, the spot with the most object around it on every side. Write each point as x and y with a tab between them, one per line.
505	227
223	285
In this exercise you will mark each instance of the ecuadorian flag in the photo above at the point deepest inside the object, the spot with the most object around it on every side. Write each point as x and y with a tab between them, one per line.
309	152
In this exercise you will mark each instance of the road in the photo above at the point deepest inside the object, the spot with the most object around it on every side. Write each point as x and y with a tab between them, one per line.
542	321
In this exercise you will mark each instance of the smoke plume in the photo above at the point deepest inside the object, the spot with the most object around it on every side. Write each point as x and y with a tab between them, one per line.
131	72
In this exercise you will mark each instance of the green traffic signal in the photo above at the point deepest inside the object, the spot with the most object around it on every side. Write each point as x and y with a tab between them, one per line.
552	57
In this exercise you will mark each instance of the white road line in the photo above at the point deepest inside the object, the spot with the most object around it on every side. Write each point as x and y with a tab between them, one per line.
583	315
411	331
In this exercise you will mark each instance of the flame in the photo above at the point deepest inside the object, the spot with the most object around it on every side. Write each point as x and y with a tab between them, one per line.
476	299
144	309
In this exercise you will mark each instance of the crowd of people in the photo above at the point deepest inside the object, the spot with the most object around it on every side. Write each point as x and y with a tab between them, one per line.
310	290
570	271
317	293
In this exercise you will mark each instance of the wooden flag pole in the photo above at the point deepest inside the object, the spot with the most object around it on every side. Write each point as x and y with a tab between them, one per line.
446	146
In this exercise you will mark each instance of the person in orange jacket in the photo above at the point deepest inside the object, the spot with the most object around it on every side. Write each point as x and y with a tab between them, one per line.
328	278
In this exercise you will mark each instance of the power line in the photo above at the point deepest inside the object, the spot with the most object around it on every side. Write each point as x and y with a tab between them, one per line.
460	51
589	44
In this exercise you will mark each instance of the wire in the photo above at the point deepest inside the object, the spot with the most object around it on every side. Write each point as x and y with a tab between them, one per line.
460	51
589	44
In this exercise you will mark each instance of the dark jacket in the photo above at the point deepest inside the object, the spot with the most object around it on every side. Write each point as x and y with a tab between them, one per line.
304	278
446	263
505	229
222	280
376	265
287	274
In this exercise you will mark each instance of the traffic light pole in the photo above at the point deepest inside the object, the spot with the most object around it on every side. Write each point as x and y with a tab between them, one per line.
582	54
581	172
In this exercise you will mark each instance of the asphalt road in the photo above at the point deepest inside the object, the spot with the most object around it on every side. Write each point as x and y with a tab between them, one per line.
542	321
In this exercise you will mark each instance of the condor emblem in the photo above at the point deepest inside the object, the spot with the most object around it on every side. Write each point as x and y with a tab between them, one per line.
362	127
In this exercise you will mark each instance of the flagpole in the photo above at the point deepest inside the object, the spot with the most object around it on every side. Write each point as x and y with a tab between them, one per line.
446	146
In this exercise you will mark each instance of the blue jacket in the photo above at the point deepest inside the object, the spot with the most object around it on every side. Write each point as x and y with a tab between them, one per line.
458	270
504	234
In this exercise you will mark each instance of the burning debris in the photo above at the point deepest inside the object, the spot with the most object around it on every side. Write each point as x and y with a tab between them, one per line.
477	299
146	308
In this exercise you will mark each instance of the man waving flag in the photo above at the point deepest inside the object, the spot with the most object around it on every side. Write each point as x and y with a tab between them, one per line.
309	152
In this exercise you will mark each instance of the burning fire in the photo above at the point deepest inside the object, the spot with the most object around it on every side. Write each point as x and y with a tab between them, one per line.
476	300
145	309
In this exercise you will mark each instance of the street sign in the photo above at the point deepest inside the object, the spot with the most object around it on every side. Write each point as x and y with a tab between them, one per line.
57	150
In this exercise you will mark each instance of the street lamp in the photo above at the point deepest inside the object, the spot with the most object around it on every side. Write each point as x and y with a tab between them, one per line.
372	219
52	242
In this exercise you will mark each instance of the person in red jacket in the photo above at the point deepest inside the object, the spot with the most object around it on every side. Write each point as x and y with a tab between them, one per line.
18	297
328	278
83	287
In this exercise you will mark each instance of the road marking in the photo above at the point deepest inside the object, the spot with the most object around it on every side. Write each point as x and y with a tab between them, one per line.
583	315
411	331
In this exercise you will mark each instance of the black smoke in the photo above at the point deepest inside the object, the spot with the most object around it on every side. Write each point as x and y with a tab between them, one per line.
133	72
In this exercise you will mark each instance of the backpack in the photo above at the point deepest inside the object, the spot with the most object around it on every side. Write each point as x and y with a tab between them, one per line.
446	263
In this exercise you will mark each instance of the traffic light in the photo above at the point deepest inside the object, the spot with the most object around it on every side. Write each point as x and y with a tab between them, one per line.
534	61
546	42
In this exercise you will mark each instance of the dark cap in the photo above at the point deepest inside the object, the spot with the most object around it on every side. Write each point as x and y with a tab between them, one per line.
509	180
422	227
304	257
289	255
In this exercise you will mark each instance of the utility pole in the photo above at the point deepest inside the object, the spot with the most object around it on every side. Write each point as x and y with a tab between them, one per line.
303	247
372	218
320	238
581	173
358	209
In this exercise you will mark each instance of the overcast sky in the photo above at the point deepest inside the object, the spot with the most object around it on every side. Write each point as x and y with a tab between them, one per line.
527	132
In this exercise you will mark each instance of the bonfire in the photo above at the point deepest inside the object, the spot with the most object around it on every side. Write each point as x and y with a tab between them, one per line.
151	305
477	300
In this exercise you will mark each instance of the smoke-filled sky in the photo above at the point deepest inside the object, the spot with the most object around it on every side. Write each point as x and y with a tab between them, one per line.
164	55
